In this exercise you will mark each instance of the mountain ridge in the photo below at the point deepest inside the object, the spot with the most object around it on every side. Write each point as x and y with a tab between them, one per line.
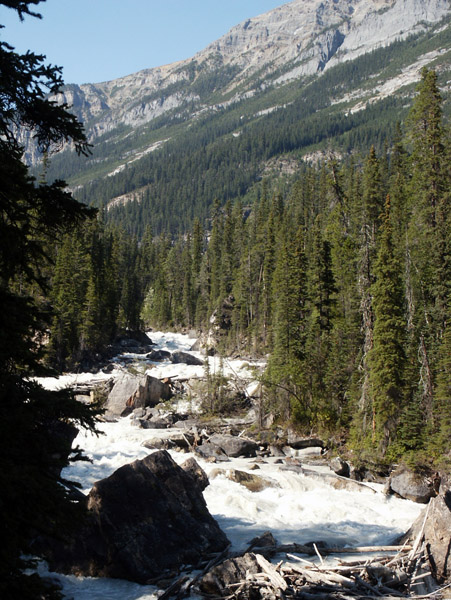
331	32
217	104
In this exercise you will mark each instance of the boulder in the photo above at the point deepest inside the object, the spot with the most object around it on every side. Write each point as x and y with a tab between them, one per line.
298	441
156	444
411	486
186	358
254	483
265	540
147	518
192	468
232	571
340	467
437	536
177	441
134	338
158	355
234	446
434	526
209	451
154	423
130	392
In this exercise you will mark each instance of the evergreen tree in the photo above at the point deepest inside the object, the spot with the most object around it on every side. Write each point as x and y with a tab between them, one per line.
368	208
429	237
32	215
386	358
321	300
286	368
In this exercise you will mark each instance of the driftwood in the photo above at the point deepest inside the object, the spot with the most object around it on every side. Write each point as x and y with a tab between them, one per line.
313	550
181	587
386	572
303	579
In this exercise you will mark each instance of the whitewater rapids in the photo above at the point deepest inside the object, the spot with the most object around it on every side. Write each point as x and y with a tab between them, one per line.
295	508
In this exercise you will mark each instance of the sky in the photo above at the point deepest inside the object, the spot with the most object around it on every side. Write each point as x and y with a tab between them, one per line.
100	40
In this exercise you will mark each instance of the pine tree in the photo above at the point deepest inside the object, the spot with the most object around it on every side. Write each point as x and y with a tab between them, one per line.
321	302
286	368
367	210
33	215
429	238
386	358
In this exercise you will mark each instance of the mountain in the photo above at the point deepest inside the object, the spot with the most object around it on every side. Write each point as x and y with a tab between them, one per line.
306	76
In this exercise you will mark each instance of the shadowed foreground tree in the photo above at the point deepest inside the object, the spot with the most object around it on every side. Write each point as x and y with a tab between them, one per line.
36	425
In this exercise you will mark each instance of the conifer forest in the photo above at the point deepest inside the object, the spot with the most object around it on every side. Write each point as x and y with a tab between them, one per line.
340	278
336	273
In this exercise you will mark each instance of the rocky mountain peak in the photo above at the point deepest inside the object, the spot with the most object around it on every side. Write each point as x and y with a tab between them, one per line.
299	38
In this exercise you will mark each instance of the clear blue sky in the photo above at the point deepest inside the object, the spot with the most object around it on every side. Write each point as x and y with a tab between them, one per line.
99	40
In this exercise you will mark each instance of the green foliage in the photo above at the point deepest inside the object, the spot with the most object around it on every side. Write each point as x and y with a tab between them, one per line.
386	357
222	153
35	424
331	283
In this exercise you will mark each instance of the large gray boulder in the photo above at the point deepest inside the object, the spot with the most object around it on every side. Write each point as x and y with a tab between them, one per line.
130	392
186	358
411	486
234	446
437	536
149	517
433	526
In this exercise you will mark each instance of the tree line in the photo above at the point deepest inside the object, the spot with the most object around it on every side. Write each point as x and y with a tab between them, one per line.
198	158
343	280
353	308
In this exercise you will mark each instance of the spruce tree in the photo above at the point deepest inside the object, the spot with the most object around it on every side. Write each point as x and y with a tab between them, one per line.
386	358
34	498
428	234
286	367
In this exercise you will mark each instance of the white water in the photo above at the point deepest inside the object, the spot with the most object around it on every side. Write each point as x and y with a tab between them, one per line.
296	508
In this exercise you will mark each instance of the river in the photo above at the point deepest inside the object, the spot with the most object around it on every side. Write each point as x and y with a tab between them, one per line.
295	508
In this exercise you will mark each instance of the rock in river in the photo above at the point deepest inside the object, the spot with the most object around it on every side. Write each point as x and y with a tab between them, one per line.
148	517
130	392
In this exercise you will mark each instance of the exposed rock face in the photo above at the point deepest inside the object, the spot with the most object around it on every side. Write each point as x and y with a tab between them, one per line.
436	519
146	518
130	392
309	35
437	535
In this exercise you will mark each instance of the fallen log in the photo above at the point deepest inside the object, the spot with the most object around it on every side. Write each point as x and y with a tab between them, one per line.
310	550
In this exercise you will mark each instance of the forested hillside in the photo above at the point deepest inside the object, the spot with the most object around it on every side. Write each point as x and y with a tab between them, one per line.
341	278
333	265
221	148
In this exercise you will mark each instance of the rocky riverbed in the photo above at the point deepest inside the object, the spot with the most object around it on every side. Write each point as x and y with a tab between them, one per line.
253	485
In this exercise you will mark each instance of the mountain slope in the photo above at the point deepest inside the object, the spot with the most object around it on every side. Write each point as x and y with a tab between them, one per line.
180	135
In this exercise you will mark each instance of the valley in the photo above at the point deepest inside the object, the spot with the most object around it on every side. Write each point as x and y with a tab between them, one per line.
282	198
